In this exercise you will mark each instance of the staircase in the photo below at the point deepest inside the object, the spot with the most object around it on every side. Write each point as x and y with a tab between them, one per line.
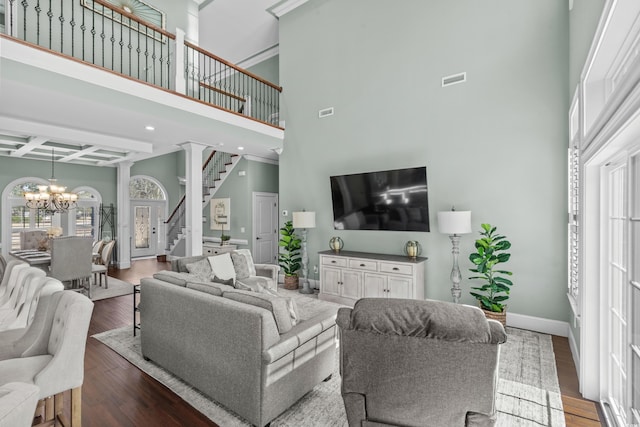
215	171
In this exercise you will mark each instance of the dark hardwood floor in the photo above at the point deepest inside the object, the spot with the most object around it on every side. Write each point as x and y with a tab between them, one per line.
116	393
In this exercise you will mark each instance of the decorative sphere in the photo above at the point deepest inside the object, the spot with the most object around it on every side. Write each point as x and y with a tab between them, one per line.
336	244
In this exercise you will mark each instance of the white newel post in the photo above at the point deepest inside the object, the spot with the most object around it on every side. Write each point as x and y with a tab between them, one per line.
193	198
181	84
123	215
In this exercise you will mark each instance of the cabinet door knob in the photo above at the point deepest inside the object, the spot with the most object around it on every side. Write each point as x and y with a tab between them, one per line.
362	265
333	262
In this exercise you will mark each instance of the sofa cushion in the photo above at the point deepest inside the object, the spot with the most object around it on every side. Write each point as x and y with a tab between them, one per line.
262	285
278	306
222	266
201	268
174	277
209	288
241	265
247	255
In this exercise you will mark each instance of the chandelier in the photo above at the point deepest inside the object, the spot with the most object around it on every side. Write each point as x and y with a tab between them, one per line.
51	198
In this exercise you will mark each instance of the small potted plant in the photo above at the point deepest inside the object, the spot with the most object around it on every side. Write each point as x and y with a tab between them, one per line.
289	259
490	251
224	239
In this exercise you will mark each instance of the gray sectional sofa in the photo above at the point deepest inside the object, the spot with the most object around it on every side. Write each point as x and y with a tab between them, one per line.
240	348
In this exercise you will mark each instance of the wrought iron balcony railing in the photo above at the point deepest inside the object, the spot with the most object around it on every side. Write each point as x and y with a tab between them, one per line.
99	33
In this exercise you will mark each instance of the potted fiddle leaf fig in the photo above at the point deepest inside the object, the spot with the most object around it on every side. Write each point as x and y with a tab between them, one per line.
490	251
289	259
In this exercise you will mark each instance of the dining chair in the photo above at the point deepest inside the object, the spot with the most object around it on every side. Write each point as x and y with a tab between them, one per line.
71	261
102	269
18	404
31	239
96	251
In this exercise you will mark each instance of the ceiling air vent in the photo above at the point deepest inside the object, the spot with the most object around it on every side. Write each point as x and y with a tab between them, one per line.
454	79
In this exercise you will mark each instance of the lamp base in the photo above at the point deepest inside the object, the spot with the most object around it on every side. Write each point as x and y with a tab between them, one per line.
306	288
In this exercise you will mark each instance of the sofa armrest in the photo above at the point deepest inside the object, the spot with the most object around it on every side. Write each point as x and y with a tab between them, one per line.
268	270
300	334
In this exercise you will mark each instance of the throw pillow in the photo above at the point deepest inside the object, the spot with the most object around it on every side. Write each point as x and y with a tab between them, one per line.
201	268
247	254
222	267
241	265
263	289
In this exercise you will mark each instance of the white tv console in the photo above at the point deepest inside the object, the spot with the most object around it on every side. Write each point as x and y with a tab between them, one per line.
347	276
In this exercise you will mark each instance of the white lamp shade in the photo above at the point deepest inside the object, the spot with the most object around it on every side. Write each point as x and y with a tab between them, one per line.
454	222
304	219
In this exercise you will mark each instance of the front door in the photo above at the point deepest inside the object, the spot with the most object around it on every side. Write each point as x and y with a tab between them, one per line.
265	228
145	229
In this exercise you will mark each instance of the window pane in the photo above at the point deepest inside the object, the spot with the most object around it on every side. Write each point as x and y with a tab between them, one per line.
85	221
141	188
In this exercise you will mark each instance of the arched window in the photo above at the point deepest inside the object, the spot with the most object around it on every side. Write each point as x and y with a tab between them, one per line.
142	188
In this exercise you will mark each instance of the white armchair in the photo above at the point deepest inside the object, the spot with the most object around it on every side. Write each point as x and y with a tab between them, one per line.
50	354
18	404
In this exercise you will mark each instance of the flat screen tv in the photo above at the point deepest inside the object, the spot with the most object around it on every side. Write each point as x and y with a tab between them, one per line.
385	200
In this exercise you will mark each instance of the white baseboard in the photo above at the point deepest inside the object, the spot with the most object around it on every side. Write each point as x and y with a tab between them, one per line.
575	351
538	324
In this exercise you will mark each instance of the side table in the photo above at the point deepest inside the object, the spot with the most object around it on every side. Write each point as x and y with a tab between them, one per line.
136	301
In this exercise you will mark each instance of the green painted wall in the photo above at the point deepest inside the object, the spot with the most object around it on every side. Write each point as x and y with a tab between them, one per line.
495	145
268	69
583	20
103	179
259	177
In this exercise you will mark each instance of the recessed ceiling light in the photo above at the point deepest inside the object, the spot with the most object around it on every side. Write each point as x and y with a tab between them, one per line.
149	128
240	148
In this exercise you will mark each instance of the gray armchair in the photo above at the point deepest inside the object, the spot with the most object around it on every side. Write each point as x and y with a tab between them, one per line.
71	261
31	239
18	404
50	352
418	363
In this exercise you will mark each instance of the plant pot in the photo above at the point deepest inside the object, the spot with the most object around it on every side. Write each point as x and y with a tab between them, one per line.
291	282
500	317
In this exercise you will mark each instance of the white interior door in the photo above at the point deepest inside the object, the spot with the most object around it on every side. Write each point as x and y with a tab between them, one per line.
265	228
145	230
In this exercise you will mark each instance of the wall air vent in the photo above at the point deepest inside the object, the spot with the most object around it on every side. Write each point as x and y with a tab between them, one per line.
325	112
454	79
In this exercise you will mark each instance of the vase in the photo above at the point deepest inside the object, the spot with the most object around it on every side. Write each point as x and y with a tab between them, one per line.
291	282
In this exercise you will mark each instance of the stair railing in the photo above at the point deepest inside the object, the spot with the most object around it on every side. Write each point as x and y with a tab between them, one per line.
215	164
114	39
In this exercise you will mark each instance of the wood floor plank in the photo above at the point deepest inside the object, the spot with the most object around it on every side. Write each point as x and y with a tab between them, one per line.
117	394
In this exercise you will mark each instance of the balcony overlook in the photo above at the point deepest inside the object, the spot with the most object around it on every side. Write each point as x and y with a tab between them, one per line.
96	77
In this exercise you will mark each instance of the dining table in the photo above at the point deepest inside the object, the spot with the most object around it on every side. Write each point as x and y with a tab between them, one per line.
33	257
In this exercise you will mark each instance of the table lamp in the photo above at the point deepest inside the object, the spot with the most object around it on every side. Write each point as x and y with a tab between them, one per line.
454	223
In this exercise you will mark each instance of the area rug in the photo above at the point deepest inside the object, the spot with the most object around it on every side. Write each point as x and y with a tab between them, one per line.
116	288
528	390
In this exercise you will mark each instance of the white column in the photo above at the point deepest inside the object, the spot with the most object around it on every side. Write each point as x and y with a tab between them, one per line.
193	198
123	210
181	84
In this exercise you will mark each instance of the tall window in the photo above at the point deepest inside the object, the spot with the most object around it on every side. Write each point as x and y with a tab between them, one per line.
86	214
23	218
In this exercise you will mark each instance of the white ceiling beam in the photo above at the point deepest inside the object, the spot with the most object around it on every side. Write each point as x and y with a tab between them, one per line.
78	154
33	142
75	136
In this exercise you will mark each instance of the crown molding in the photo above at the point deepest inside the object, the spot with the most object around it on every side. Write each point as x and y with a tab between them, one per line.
261	159
282	8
